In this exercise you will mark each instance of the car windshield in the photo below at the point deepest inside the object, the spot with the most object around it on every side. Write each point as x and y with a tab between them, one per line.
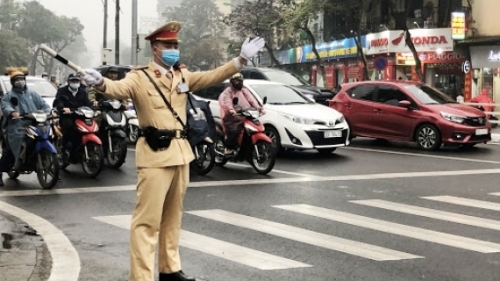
285	78
42	87
428	95
280	94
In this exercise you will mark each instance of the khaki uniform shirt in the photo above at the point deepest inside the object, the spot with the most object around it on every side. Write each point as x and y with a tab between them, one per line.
152	110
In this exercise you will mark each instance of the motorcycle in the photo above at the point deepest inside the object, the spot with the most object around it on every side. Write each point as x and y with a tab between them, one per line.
201	131
489	117
112	132
38	154
254	145
89	151
132	125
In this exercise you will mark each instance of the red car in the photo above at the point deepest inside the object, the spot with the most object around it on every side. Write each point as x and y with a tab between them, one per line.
410	111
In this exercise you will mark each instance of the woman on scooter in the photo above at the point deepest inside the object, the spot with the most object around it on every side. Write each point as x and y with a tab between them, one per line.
233	124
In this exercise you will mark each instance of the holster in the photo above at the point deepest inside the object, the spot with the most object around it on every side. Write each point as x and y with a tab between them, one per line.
155	140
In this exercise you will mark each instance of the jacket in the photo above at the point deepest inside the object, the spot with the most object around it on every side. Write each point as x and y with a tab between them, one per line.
80	99
245	100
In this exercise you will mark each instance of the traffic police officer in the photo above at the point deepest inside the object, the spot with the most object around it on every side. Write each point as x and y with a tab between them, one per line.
163	153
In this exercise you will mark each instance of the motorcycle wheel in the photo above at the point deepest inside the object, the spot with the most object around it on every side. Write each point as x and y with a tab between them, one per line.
13	174
204	158
219	148
133	134
62	154
50	167
93	166
117	157
265	163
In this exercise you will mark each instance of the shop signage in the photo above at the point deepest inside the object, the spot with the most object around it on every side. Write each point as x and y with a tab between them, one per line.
485	56
466	67
425	40
494	56
458	25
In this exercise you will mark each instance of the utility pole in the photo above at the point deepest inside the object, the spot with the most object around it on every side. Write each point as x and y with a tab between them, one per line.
105	31
117	33
134	33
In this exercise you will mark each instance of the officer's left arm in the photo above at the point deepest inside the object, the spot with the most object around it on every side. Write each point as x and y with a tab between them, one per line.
204	79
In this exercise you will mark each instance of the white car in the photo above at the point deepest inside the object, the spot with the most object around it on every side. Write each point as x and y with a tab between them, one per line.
293	121
43	87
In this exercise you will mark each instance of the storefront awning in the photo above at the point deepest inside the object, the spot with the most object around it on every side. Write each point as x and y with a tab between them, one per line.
491	40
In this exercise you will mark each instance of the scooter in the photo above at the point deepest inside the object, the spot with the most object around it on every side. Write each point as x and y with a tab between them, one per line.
132	125
89	151
489	116
112	132
38	154
254	145
202	133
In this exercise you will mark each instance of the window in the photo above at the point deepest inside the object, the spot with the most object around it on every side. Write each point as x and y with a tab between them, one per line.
279	94
40	86
390	95
362	92
245	73
257	75
211	93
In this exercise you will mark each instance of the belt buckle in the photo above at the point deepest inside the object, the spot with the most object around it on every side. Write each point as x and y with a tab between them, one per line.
177	134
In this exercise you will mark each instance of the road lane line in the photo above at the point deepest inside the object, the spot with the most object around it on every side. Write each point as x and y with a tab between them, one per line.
495	193
65	259
423	155
273	171
395	228
465	202
218	248
297	180
431	213
355	248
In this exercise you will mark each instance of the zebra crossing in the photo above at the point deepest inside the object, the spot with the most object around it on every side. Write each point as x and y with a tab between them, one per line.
267	261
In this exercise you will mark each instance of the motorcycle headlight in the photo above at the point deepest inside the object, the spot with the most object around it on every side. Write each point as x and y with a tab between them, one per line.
452	117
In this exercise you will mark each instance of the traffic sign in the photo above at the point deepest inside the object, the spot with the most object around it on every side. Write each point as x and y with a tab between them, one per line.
466	66
380	63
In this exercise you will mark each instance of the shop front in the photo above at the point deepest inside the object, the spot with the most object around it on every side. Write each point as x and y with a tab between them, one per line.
485	61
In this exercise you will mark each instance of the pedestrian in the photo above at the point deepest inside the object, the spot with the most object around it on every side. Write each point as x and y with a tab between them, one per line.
159	93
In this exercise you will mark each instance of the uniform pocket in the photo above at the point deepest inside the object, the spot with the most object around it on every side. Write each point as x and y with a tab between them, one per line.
156	99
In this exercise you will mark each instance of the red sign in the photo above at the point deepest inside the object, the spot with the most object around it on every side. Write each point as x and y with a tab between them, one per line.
429	40
380	42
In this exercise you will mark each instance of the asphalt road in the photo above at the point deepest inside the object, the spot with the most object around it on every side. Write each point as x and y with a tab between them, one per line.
374	211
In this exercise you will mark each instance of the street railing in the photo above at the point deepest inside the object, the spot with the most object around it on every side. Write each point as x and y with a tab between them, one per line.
486	112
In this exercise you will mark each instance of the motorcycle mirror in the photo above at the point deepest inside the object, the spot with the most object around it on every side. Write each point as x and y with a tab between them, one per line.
264	101
14	101
235	101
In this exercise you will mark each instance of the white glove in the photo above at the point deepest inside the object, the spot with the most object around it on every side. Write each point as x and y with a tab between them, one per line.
93	77
251	48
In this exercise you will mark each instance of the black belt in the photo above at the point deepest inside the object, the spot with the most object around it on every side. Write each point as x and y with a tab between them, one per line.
161	139
174	134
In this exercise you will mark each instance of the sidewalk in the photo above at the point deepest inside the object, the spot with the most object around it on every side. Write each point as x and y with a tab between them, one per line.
22	252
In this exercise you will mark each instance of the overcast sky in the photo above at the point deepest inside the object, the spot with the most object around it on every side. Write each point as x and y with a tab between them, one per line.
91	15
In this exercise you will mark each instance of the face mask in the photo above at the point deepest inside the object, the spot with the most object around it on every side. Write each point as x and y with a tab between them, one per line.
20	84
74	86
170	57
238	86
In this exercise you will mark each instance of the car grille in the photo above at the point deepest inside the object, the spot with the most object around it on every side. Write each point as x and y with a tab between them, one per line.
317	138
475	121
480	138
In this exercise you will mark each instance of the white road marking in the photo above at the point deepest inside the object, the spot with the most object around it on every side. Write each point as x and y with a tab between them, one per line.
359	249
424	155
395	228
218	248
65	259
431	213
273	171
466	202
76	190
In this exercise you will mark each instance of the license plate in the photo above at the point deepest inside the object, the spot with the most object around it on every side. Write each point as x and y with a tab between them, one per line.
481	132
333	134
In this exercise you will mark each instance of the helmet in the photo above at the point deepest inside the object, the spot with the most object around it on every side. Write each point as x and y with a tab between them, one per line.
16	72
237	76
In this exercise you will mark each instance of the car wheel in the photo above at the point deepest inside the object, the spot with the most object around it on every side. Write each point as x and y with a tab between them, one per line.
428	137
273	134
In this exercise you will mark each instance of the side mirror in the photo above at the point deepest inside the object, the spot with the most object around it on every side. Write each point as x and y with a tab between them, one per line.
14	101
235	101
404	103
264	101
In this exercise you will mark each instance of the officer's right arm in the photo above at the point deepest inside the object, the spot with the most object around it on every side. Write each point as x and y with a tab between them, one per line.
122	89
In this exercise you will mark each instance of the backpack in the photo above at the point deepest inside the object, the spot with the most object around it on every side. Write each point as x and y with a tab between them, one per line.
200	121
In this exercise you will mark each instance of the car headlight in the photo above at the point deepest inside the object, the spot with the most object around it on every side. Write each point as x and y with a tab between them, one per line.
452	117
297	119
340	120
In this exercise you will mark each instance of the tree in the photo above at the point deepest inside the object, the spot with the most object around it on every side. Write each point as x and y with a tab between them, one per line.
201	32
258	18
125	52
39	25
13	49
76	52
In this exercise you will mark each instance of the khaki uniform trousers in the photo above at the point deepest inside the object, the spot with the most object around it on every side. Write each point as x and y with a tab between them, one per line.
157	218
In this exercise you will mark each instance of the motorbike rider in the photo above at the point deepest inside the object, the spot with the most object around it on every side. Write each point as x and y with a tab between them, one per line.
233	124
484	97
77	97
16	102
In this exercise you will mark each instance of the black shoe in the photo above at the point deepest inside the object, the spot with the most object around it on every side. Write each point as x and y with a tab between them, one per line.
176	276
